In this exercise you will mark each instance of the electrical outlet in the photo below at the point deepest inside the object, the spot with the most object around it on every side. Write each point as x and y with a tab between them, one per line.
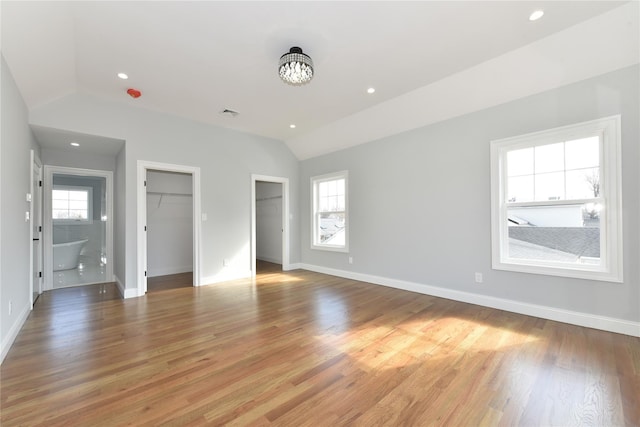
478	277
350	260
225	262
10	307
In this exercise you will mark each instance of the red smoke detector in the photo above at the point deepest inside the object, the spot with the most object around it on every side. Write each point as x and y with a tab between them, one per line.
134	93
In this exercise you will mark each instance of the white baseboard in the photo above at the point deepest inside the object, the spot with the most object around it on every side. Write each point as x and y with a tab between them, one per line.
164	271
293	266
7	342
269	259
126	293
620	326
224	277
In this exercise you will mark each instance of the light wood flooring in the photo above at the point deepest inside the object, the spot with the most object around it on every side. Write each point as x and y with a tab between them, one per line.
305	349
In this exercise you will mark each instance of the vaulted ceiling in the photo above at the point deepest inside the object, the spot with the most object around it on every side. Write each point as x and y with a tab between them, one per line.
427	60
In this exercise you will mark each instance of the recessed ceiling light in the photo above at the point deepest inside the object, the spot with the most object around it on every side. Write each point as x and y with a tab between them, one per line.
123	76
536	15
371	90
74	144
292	126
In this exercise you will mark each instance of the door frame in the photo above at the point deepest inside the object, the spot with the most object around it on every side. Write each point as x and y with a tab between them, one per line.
194	171
47	220
36	195
285	219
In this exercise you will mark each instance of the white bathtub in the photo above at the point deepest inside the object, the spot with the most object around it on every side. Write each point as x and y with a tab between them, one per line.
66	255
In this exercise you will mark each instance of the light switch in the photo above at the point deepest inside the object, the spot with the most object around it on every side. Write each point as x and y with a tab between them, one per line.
204	216
28	197
26	216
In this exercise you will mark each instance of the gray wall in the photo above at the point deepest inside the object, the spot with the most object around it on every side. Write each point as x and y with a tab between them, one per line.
227	159
72	159
420	201
16	141
120	216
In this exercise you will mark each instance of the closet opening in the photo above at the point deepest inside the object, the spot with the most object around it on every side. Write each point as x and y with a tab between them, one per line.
168	226
270	225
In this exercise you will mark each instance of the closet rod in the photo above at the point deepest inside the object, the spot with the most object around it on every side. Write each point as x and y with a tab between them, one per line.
164	193
268	198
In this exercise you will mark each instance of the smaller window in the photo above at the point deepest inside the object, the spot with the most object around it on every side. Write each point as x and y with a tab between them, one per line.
329	207
72	205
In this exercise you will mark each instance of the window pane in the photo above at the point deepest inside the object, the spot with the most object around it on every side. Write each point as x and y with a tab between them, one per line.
583	153
520	189
77	214
549	186
583	183
60	214
60	204
567	234
520	162
60	195
549	158
323	189
78	195
340	186
332	228
74	204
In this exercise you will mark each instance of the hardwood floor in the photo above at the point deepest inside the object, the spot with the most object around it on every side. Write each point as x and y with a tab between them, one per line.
169	281
305	349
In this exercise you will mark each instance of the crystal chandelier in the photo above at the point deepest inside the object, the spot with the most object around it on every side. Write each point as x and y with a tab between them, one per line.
296	68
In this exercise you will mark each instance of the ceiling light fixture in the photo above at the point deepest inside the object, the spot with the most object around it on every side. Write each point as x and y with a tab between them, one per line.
292	126
371	90
536	15
123	76
295	68
74	144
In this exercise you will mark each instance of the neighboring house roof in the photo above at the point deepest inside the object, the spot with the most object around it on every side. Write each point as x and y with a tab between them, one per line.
578	241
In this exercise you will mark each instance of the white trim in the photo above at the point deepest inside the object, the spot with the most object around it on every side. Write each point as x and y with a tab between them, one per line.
611	245
315	180
194	171
293	266
285	221
35	160
610	324
14	331
164	271
225	277
47	220
125	293
269	259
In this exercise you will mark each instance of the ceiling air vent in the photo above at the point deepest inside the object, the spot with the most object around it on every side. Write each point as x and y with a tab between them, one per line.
229	113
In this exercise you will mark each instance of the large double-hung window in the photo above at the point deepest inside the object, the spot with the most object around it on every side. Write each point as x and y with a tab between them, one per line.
556	205
329	206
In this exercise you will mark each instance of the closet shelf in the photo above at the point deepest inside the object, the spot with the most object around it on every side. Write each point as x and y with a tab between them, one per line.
164	193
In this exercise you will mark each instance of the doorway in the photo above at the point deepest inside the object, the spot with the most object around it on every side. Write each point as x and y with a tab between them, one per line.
168	193
78	231
169	230
35	283
269	222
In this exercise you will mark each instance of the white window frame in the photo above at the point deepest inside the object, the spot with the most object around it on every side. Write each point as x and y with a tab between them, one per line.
610	268
315	181
69	221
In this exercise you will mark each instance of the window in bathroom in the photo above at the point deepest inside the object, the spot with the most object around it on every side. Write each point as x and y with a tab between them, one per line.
72	205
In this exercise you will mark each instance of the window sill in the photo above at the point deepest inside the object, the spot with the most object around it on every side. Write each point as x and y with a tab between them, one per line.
576	273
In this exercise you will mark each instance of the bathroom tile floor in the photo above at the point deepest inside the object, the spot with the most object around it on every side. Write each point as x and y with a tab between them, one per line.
88	272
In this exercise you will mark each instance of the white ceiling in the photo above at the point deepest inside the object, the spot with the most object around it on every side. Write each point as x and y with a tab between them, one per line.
194	59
